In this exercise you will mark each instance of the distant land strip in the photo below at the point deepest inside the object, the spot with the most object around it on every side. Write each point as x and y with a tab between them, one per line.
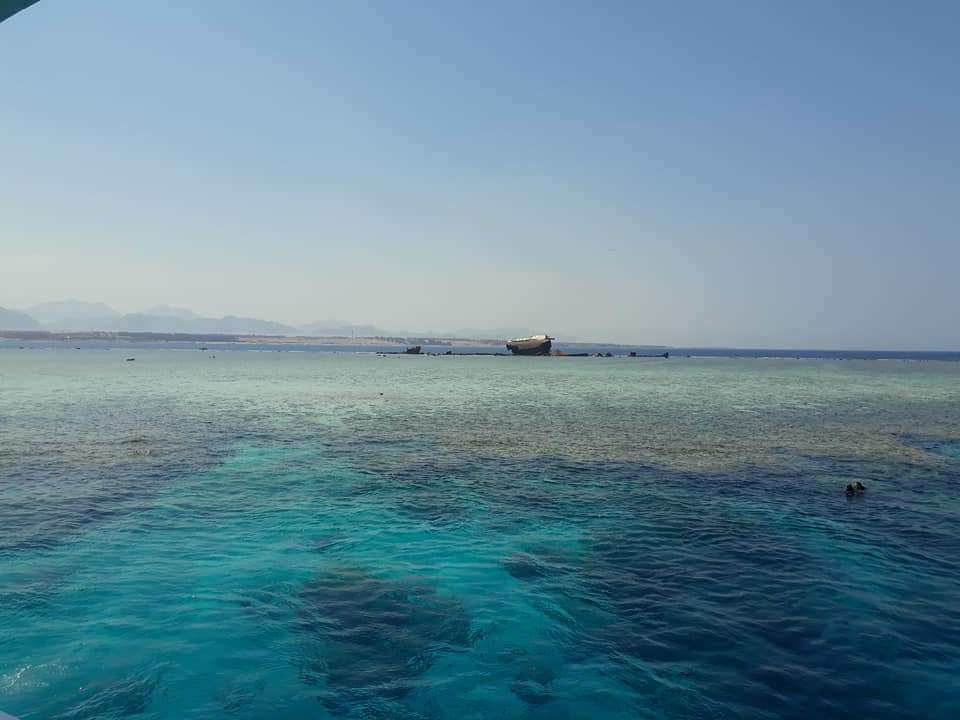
125	336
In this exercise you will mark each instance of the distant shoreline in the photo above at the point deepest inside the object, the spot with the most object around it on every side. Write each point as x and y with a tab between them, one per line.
457	346
281	339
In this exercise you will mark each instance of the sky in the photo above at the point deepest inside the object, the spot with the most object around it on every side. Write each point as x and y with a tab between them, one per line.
689	173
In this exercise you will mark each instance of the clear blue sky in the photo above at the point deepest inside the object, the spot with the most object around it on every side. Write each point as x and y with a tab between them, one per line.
739	173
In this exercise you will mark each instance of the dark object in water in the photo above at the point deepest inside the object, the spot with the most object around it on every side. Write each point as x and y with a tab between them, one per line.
530	692
130	359
857	488
438	354
633	353
523	566
414	350
532	684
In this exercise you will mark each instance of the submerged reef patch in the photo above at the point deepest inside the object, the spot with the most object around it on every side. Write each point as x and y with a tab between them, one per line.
125	698
367	637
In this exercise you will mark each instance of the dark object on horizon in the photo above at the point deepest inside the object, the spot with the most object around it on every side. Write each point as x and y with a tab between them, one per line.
633	353
130	359
415	350
609	355
438	354
665	356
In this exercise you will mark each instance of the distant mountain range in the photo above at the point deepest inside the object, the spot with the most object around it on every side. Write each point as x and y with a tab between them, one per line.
73	315
16	320
78	316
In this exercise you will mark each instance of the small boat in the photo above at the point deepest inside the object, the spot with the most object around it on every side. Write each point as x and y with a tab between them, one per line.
414	350
533	345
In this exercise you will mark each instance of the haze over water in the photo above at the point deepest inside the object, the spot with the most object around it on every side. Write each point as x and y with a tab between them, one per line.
310	535
753	174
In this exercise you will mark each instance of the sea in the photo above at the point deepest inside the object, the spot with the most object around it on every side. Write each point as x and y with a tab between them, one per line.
253	531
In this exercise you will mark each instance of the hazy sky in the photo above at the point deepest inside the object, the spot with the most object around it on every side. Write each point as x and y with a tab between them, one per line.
736	173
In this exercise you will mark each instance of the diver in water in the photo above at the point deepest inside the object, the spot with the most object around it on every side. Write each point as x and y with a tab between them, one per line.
857	488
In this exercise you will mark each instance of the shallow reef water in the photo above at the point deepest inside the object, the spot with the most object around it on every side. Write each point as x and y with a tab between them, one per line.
267	535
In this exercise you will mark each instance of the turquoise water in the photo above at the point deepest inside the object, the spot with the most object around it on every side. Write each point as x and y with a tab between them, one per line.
311	535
